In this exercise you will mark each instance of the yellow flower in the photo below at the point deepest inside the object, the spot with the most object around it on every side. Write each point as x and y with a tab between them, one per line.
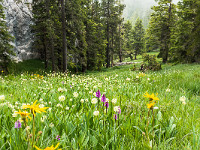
150	105
24	115
48	148
151	97
35	108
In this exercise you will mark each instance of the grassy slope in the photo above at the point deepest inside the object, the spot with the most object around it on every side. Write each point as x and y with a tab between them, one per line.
176	125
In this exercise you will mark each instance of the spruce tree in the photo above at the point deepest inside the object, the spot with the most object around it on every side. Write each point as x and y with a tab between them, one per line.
5	39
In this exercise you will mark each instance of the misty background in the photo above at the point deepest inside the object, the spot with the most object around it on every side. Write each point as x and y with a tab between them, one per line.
139	8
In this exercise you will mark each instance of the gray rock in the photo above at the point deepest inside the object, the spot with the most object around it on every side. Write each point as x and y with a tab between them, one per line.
19	19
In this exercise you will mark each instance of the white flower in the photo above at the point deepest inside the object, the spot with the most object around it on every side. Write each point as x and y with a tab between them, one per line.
70	100
49	109
184	103
167	90
155	107
148	79
14	114
43	118
60	89
67	108
91	92
182	98
128	79
94	101
137	77
86	100
59	105
61	98
114	101
96	113
75	94
27	128
2	97
82	100
51	125
116	109
41	105
94	93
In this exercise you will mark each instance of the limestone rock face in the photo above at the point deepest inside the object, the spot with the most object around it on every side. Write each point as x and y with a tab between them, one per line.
19	21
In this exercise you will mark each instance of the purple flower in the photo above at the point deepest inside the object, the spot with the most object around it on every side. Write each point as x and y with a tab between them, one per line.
98	94
58	137
115	116
62	82
18	124
103	98
119	112
106	104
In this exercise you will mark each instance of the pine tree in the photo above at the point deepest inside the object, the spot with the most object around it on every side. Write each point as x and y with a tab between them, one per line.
5	39
138	38
162	20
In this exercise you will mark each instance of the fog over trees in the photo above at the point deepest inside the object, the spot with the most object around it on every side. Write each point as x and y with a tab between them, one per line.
139	8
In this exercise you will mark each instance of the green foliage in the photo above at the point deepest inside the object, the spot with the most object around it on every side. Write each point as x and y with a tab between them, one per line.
73	120
5	39
138	38
150	63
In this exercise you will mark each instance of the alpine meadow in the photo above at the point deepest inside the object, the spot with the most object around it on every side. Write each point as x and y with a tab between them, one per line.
99	74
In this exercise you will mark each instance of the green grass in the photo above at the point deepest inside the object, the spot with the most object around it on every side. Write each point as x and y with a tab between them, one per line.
173	125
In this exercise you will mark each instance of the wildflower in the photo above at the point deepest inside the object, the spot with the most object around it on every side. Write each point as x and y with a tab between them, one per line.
98	94
115	116
86	100
137	77
75	94
167	90
150	105
184	103
128	79
51	125
58	137
18	124
2	97
151	97
60	89
103	98
116	109
114	101
61	98
182	98
27	128
70	100
119	112
14	114
48	148
82	100
96	113
67	108
35	108
94	101
106	104
43	118
24	115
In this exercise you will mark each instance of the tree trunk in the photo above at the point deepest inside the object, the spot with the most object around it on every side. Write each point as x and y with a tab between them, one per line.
64	37
120	48
51	39
108	40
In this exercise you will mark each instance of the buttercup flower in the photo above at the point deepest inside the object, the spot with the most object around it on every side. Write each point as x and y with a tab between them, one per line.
151	97
48	148
35	108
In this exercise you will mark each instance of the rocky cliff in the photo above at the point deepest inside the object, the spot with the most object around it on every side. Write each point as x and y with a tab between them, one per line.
19	20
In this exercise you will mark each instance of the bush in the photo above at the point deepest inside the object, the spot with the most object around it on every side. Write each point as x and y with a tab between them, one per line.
150	63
